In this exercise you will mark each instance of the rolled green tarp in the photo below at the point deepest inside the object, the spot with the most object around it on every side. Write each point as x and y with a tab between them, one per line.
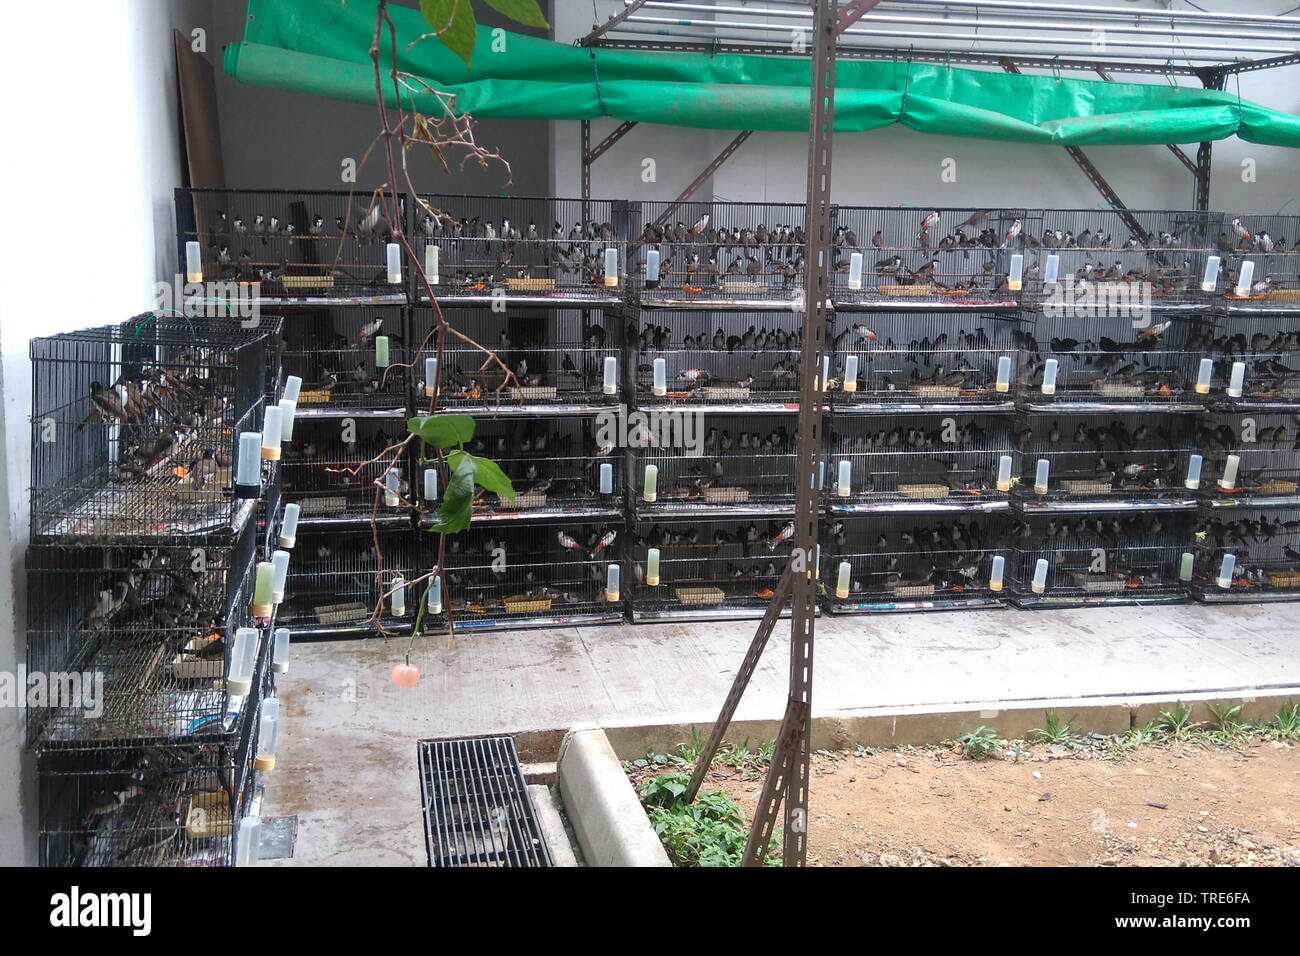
323	47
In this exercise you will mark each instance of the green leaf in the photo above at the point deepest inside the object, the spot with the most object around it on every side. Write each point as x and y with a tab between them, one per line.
489	474
458	501
442	431
526	12
453	22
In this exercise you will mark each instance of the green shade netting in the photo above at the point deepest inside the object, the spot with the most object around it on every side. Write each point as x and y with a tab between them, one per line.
322	46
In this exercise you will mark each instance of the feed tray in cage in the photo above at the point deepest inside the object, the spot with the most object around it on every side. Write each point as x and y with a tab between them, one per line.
936	391
1099	583
188	665
307	282
700	596
1074	486
1289	294
531	393
523	604
726	496
741	285
314	396
530	499
208	815
893	288
725	393
333	505
1289	391
530	284
1277	486
923	491
342	613
1117	390
913	590
1284	579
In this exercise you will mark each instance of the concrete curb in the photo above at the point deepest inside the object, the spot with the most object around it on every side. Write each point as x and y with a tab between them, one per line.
552	824
611	826
900	726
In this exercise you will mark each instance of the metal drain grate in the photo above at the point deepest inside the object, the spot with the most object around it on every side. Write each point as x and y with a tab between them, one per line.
477	811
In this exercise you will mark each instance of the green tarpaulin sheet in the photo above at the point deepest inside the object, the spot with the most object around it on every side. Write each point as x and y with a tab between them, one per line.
322	46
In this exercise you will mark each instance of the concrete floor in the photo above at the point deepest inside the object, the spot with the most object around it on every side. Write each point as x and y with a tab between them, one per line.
347	752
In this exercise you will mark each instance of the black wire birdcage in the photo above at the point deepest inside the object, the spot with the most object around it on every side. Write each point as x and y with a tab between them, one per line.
348	358
338	584
150	804
1155	256
331	466
700	253
1101	558
135	427
1102	460
722	359
913	256
558	357
688	461
556	465
1263	546
902	562
706	569
1269	244
146	631
529	575
1255	361
1249	456
1101	356
934	360
517	248
294	245
906	462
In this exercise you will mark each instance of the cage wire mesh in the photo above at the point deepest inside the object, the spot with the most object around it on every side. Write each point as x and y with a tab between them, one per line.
1128	357
717	358
348	358
1266	449
557	357
294	244
525	246
1269	243
143	804
720	251
907	562
135	427
1102	457
555	464
707	568
502	575
145	634
927	255
1104	558
331	466
704	461
924	358
339	583
1265	547
1266	346
1121	253
949	460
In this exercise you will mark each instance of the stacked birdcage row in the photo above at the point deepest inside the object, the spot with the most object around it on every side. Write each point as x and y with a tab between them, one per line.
155	485
304	246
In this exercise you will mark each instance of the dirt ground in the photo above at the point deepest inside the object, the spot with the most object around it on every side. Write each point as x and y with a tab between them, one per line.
1160	805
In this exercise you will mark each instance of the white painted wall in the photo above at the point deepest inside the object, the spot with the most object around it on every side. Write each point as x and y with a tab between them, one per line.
92	156
899	166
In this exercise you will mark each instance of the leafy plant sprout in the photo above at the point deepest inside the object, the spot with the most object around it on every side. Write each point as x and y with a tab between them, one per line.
441	132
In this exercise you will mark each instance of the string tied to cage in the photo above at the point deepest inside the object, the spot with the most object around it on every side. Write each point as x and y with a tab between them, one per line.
907	80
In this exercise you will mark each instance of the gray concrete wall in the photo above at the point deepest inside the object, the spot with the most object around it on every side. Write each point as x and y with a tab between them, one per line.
104	167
